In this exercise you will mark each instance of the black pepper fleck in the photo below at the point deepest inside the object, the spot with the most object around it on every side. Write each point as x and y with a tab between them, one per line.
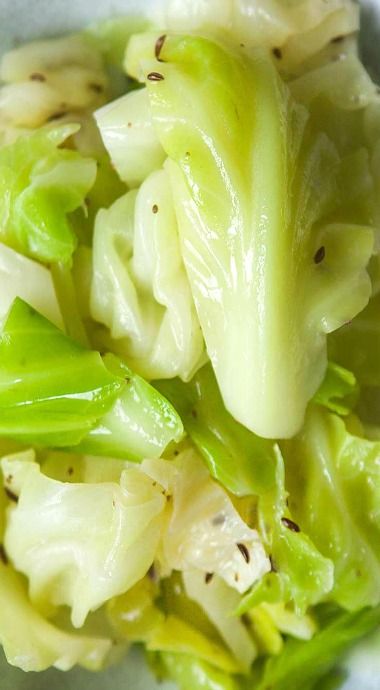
244	552
208	577
56	116
158	47
219	520
277	52
290	524
319	255
96	88
11	495
37	76
155	76
154	208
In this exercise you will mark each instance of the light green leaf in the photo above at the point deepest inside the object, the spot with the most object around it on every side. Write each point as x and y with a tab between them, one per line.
190	673
339	390
219	602
40	185
179	637
300	28
249	465
54	392
140	424
254	191
301	664
237	458
333	479
301	572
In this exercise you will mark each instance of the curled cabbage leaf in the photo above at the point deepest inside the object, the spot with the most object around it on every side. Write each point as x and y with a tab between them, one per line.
219	602
55	392
80	544
139	287
47	79
128	134
252	467
333	479
272	267
296	30
40	184
204	530
190	672
32	643
302	664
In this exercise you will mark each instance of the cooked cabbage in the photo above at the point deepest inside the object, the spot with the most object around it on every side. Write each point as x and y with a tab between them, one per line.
233	203
47	79
40	184
295	29
81	544
139	287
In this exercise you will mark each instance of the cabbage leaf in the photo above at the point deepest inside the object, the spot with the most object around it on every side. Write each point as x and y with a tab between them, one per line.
300	29
29	640
45	80
190	672
203	526
80	544
253	190
140	424
129	136
333	482
301	664
219	602
33	643
54	392
248	465
40	184
22	277
139	286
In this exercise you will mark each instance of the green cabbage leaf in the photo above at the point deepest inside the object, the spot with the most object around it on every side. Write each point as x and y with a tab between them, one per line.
254	192
251	466
54	392
302	664
300	29
333	481
40	184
